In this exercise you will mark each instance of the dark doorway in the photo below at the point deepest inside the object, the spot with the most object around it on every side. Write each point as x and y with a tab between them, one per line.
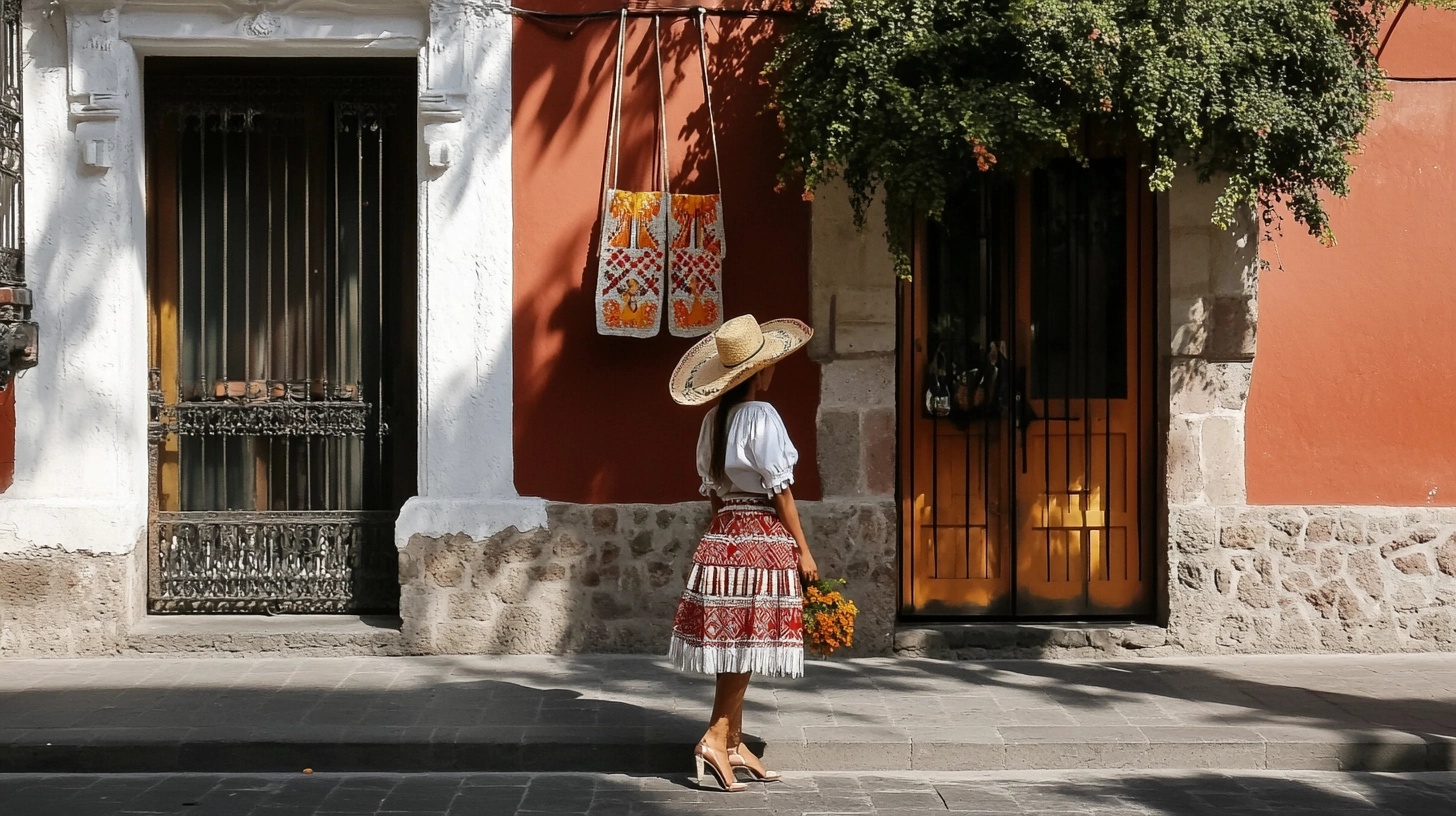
282	289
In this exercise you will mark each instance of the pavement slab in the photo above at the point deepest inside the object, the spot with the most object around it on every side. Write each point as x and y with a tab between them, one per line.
634	714
1035	793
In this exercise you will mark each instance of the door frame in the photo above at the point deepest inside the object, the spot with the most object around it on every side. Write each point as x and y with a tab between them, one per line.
342	558
1144	212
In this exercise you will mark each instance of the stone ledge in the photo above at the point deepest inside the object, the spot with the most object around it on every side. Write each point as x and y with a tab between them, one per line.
637	749
247	635
993	641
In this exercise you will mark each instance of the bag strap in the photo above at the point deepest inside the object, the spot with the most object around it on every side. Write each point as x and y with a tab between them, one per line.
708	95
666	209
661	111
614	120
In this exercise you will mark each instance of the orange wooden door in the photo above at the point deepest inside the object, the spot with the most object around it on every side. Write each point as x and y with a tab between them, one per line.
1084	375
956	444
1023	491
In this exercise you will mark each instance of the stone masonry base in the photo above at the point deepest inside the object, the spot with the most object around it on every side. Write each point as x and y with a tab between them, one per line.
607	579
1312	579
55	603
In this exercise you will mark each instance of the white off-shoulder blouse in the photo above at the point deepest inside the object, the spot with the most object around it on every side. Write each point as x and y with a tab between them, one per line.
759	458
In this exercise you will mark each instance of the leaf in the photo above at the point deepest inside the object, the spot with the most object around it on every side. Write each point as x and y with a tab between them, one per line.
909	99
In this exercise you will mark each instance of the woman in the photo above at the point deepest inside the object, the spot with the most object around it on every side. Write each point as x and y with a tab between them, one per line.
742	611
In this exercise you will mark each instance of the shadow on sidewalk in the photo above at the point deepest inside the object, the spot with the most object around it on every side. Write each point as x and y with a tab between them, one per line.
258	723
1234	700
1208	792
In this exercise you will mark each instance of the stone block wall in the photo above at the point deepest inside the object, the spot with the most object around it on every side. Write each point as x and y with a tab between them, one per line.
1296	579
606	578
852	284
55	603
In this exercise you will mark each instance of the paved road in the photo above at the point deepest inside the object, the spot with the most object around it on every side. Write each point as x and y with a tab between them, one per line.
1044	793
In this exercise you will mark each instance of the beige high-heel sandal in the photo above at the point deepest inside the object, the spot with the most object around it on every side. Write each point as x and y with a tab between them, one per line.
706	758
736	760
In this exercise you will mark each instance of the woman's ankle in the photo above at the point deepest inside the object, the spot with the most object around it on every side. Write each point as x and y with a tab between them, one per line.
716	740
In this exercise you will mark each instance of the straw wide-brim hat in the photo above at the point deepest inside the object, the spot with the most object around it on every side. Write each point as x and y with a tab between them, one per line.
736	351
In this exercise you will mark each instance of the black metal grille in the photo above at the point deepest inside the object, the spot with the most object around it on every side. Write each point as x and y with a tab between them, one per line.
1079	355
283	297
294	563
19	336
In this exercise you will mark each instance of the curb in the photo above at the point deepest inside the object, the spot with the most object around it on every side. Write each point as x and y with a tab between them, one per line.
633	750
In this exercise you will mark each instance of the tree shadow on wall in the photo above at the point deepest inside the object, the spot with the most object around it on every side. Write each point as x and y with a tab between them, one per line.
603	398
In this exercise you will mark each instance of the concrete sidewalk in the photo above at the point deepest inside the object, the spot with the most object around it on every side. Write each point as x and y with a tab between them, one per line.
634	714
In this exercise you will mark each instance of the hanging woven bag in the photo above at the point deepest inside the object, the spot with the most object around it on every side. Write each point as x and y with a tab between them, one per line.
695	244
632	257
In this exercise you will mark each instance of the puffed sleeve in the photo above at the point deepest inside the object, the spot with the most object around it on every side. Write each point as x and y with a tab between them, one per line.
768	449
705	454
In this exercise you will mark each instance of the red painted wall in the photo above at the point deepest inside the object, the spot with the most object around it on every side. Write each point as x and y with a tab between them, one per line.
1354	391
593	421
1422	45
7	437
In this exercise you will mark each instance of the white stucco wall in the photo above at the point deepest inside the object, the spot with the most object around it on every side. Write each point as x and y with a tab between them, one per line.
80	477
467	482
81	473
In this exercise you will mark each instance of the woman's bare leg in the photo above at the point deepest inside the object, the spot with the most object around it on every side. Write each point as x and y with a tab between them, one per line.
727	704
745	757
727	698
735	726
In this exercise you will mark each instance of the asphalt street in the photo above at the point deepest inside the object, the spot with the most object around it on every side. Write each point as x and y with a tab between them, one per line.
1045	793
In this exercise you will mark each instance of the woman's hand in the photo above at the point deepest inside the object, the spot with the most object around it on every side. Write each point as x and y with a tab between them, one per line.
788	513
807	568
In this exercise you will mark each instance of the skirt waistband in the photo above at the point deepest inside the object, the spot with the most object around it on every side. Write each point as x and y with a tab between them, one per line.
756	503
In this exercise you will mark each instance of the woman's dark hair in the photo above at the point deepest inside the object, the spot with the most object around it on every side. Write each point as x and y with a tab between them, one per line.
730	398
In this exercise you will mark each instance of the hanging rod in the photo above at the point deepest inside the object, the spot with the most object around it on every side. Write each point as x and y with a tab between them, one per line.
646	11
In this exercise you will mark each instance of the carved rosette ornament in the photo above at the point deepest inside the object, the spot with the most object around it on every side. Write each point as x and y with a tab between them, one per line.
263	24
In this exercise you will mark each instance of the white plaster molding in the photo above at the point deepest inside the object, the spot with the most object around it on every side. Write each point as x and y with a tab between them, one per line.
92	72
207	30
480	520
96	29
249	8
102	527
444	98
466	445
440	115
263	24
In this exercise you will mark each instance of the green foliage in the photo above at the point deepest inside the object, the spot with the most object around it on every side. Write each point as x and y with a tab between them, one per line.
913	97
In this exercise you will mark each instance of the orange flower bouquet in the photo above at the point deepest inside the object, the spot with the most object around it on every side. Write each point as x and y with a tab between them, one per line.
828	616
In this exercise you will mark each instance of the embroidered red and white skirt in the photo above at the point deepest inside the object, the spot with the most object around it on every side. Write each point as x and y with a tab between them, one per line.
743	609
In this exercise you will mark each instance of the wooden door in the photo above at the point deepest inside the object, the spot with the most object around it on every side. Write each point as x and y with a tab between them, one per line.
1026	383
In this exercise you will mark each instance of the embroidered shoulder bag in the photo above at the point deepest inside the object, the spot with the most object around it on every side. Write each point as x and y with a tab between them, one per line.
695	244
632	257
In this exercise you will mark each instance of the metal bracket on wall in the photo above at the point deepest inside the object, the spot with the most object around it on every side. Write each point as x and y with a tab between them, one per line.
19	348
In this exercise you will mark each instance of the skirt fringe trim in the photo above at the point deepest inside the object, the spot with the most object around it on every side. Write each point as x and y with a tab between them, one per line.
742	582
765	659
